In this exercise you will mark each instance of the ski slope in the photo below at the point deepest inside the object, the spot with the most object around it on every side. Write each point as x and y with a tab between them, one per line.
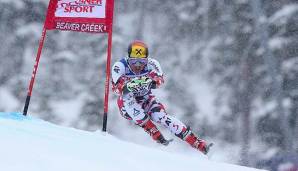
31	144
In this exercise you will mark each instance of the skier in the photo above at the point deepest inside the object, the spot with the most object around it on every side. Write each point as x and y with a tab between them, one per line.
133	77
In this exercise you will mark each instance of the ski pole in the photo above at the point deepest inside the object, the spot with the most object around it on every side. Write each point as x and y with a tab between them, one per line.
41	41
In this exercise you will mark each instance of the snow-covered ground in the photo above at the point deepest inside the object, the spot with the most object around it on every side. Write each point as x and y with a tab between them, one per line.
31	144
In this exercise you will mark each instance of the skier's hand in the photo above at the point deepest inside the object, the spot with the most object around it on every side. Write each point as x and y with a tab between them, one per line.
146	82
133	85
139	84
156	78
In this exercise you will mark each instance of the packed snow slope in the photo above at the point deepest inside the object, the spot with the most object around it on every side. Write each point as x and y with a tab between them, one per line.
31	144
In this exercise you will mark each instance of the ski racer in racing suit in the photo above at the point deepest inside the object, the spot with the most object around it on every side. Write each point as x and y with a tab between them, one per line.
133	77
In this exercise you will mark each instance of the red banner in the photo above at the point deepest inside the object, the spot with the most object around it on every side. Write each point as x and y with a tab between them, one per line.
94	16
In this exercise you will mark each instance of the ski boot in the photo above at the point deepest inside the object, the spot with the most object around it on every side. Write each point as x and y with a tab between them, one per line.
163	141
156	135
195	141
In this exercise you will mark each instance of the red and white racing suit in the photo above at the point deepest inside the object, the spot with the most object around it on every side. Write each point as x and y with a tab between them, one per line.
143	107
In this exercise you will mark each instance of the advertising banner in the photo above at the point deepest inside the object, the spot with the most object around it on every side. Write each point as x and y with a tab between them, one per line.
94	16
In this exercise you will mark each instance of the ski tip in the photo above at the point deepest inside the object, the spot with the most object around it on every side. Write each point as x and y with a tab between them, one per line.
208	148
209	152
210	145
170	140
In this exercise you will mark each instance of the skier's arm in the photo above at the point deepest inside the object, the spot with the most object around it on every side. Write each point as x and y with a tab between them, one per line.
155	74
118	78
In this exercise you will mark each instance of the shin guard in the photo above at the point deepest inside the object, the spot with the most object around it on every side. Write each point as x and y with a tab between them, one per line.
151	129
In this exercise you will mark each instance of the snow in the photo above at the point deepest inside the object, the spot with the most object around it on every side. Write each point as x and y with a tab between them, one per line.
31	144
281	16
277	43
32	29
7	100
17	4
69	110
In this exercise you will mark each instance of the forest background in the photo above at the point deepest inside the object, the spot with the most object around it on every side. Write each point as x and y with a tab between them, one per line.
231	70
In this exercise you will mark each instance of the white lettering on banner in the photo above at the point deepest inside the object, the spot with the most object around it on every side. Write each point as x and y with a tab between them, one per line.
67	26
78	9
81	8
94	28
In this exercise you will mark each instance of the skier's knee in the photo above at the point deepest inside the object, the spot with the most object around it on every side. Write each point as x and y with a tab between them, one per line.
156	109
143	121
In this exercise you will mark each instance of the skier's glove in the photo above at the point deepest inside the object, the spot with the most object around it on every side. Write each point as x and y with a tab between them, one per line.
156	78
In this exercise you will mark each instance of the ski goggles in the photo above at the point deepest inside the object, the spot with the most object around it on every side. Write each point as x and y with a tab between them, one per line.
137	61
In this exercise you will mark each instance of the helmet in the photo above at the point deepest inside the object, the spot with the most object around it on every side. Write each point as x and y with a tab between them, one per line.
137	56
138	49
